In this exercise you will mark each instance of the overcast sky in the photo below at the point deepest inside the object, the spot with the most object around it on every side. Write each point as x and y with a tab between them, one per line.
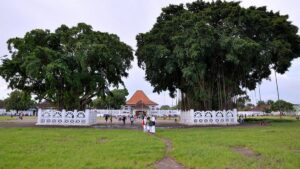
127	18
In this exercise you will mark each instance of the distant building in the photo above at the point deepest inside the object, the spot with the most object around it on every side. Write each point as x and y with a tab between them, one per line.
45	105
140	104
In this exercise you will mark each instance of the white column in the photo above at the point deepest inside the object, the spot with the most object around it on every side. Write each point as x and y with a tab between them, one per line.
191	116
235	115
39	116
74	113
87	117
63	114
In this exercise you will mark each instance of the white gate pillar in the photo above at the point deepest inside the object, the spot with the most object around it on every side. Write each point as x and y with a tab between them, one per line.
39	116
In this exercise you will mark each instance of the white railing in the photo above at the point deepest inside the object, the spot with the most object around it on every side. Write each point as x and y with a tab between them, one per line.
66	118
225	117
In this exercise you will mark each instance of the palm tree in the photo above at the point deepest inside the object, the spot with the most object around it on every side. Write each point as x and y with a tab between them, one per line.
277	91
276	85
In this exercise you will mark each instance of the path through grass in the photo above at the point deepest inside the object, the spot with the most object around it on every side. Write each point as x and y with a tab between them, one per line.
276	146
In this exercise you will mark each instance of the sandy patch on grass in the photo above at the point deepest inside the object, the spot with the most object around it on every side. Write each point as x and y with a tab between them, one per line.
246	152
102	140
296	150
167	162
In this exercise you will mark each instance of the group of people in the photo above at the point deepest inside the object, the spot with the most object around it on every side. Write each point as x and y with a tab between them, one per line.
20	115
148	124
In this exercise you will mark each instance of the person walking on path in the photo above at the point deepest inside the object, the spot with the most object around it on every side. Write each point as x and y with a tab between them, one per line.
21	116
110	119
131	120
106	118
124	119
152	129
148	124
144	121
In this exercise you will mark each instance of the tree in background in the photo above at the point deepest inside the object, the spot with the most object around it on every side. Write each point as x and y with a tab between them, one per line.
2	104
165	107
214	51
18	100
270	102
67	67
114	100
264	106
241	103
282	106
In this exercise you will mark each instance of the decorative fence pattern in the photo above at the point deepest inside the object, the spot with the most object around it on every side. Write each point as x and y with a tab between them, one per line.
225	117
66	118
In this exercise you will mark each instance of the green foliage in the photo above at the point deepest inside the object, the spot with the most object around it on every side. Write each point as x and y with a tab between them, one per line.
18	100
270	102
165	107
115	99
282	106
265	106
241	103
260	103
214	51
1	103
67	67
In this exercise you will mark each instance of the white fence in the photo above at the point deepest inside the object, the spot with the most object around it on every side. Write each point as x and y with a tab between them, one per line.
162	113
3	112
225	117
66	118
119	112
122	112
251	113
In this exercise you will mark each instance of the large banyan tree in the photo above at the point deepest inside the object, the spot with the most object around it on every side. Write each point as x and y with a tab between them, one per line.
67	67
213	51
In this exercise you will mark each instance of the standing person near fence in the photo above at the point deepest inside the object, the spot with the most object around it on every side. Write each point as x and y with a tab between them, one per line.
152	130
144	121
124	119
106	118
148	124
131	120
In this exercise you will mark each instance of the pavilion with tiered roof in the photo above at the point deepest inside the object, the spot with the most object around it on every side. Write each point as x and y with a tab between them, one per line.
140	104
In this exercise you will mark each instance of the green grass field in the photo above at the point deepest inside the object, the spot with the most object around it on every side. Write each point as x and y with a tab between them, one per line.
86	148
8	118
277	146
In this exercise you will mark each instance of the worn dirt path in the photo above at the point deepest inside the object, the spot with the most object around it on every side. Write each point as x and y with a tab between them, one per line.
167	162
